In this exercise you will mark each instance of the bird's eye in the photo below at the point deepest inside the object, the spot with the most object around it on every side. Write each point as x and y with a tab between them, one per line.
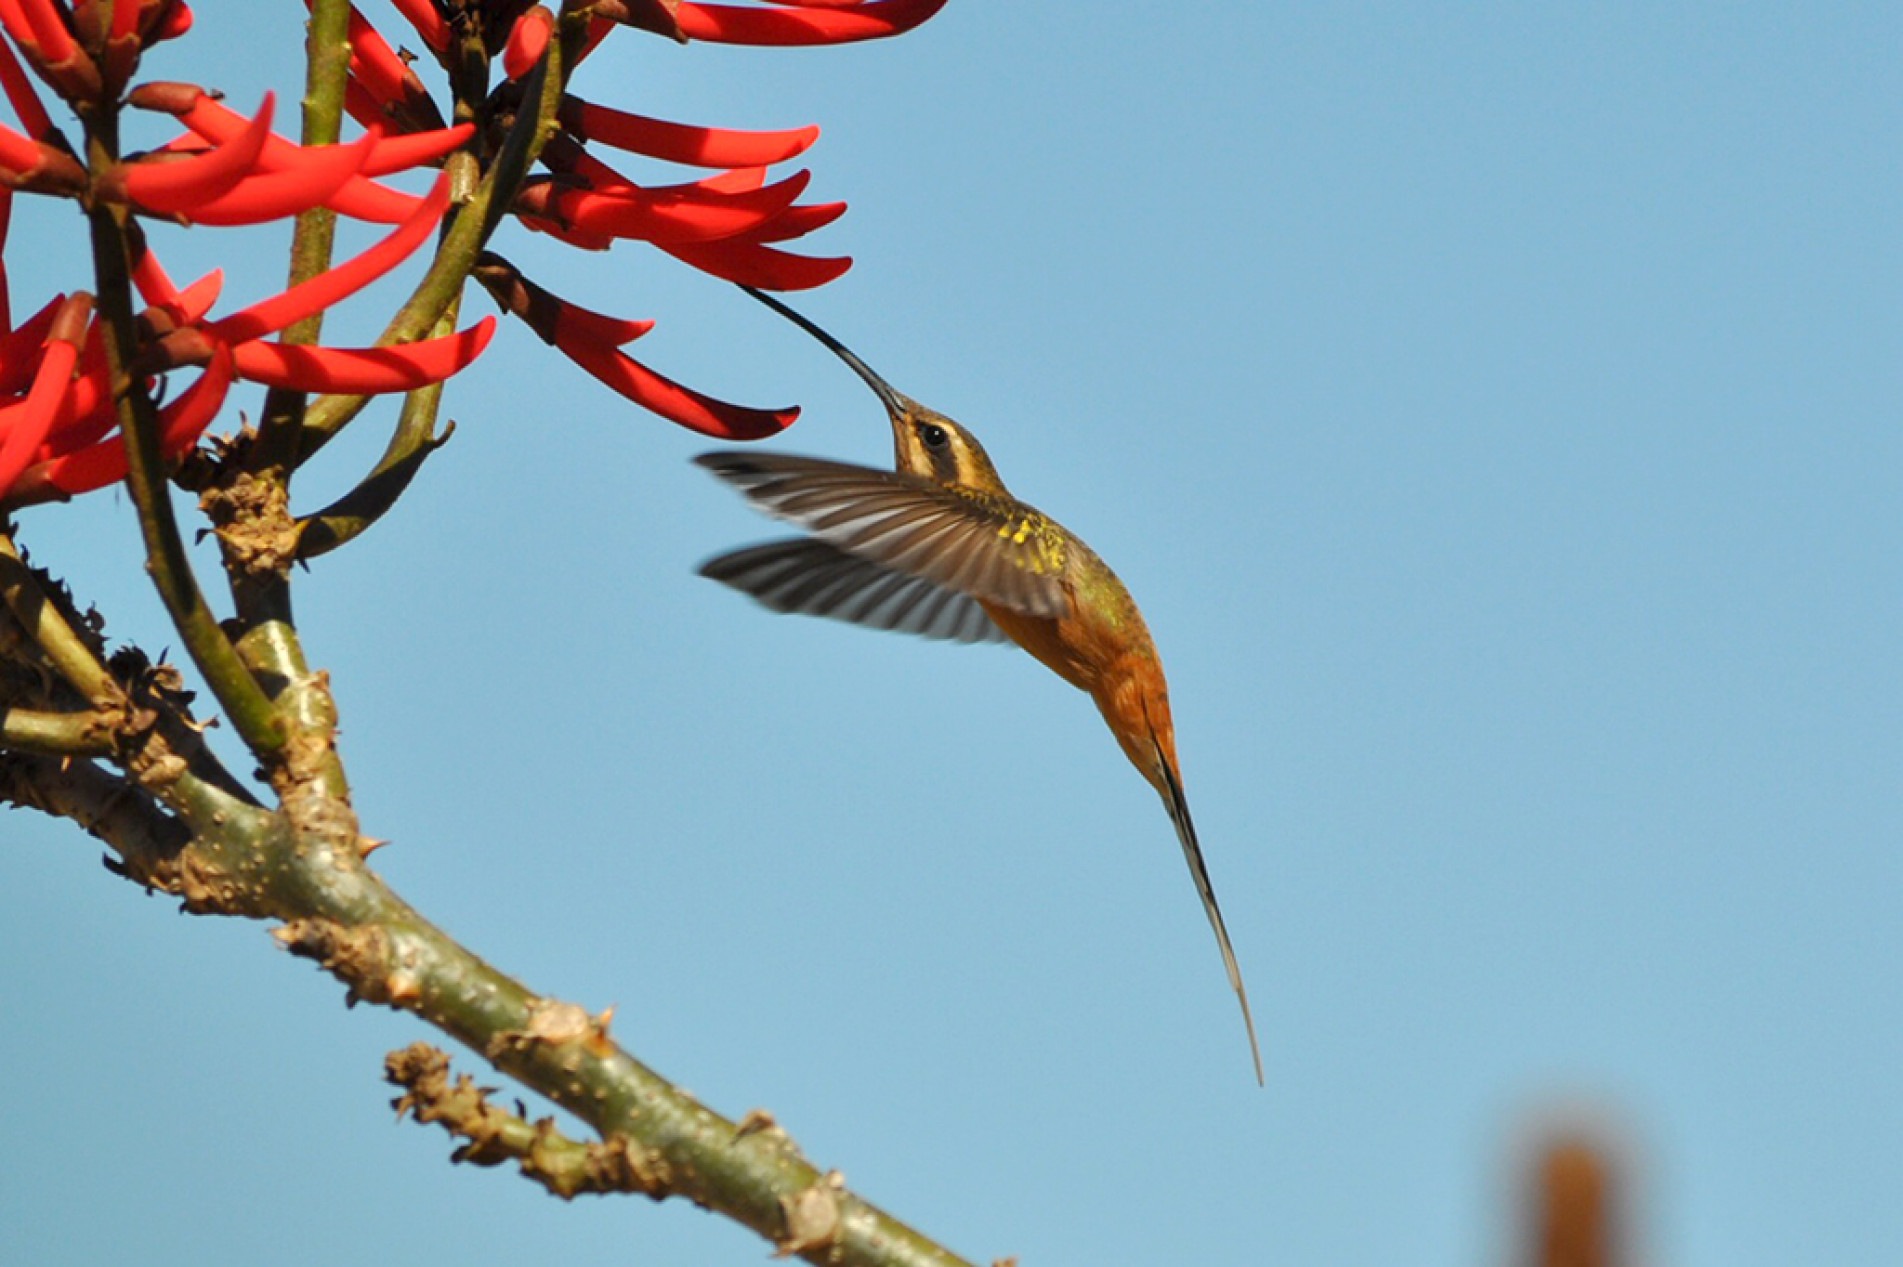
934	436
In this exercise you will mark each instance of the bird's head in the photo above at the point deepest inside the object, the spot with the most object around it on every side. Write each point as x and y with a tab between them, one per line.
925	442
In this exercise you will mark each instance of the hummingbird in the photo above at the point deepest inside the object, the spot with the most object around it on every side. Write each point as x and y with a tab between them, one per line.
939	547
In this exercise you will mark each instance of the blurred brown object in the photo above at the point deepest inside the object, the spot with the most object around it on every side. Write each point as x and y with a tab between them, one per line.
1574	1195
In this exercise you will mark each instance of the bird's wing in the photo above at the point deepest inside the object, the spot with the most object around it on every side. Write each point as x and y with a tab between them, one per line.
988	547
814	578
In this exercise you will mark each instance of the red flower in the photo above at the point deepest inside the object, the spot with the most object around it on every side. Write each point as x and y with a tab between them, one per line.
725	224
57	414
58	420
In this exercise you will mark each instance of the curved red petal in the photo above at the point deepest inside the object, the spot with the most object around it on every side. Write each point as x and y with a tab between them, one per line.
683	142
20	94
680	213
684	406
18	153
797	222
363	370
576	324
216	122
175	22
49	32
23	426
731	24
414	149
562	233
374	61
175	188
327	288
20	347
751	264
362	105
528	40
321	171
196	300
428	21
180	424
737	181
185	419
372	203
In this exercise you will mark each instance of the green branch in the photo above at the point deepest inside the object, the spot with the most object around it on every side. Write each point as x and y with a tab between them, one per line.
238	693
43	623
472	222
106	806
88	734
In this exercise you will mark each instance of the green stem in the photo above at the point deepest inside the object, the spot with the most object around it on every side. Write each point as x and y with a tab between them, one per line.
238	693
44	624
58	734
327	55
349	516
469	230
104	804
343	915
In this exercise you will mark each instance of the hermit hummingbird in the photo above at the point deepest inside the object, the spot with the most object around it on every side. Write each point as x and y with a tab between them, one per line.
940	548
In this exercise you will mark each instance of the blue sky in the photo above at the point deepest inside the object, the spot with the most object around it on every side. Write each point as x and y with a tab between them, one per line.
1496	414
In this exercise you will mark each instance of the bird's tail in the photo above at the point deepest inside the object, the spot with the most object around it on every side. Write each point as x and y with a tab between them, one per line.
1178	806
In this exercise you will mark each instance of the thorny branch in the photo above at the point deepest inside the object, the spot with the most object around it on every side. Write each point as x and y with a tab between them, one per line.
108	740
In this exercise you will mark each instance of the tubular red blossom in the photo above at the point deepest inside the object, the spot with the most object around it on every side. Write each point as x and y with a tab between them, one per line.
751	264
321	173
174	21
192	303
732	24
211	119
23	426
182	308
576	324
363	370
20	348
681	213
176	188
125	19
46	31
429	24
366	200
18	153
20	95
360	105
374	61
797	222
681	142
563	233
180	424
359	198
415	149
626	376
327	288
374	64
528	40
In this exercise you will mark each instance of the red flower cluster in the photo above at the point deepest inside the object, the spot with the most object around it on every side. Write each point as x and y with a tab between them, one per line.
726	225
58	416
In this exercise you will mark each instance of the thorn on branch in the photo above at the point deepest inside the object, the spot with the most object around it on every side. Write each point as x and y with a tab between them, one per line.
360	957
492	1135
554	1023
812	1217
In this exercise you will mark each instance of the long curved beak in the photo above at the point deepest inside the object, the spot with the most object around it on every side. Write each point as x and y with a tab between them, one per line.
895	404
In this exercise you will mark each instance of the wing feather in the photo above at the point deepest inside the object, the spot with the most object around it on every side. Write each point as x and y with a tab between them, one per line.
976	544
814	578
